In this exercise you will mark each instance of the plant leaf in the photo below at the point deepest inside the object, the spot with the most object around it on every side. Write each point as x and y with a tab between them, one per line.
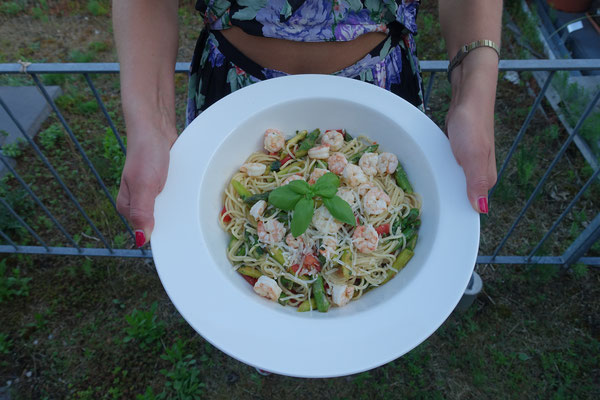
299	186
340	210
284	197
326	186
303	213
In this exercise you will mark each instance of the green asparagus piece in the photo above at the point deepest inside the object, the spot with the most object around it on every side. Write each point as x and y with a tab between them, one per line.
277	255
402	179
249	271
307	305
412	242
308	143
299	136
256	197
369	149
402	259
346	259
242	191
319	292
347	137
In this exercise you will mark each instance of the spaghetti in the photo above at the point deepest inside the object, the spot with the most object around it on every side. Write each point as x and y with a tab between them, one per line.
331	262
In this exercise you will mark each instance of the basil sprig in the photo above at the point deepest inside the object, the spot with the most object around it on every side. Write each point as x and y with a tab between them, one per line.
299	196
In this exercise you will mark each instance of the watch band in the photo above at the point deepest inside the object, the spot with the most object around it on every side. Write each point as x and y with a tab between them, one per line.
464	51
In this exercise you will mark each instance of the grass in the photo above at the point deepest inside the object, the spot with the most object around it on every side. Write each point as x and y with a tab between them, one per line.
78	328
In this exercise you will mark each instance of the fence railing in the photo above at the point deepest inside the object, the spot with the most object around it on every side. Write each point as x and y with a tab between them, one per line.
575	252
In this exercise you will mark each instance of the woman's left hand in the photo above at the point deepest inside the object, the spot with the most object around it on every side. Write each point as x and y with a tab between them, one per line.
471	134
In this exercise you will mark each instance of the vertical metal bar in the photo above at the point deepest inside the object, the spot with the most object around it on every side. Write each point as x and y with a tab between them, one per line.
524	127
83	154
428	91
564	213
589	236
562	150
23	223
3	235
53	172
105	112
39	203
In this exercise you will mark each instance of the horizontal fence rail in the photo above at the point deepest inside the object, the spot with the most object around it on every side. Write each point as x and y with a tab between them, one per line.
575	253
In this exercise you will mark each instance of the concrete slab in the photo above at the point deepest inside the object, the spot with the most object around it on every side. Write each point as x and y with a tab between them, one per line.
29	107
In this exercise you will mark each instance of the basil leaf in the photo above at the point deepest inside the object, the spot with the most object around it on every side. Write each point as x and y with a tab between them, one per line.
303	213
299	186
326	186
284	197
340	210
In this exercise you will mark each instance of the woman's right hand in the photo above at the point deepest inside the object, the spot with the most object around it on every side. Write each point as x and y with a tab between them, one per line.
144	176
146	35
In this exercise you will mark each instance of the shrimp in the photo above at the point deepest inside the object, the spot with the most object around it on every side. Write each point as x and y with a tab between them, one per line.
376	201
274	140
258	209
365	187
328	247
354	175
342	294
365	238
337	162
324	221
334	139
347	194
319	152
387	163
368	163
293	242
292	178
267	287
316	174
271	231
253	169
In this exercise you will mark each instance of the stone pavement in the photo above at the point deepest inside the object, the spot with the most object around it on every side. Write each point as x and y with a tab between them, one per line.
29	107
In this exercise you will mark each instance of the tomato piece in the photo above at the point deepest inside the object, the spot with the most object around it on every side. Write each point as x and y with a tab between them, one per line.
286	159
311	261
249	279
227	218
383	229
294	268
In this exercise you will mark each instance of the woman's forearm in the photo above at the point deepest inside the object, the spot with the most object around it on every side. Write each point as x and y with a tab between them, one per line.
465	21
146	35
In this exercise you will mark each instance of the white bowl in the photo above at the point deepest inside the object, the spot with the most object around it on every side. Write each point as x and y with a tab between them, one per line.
189	245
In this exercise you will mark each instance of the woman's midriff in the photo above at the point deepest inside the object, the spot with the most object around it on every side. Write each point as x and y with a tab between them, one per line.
302	57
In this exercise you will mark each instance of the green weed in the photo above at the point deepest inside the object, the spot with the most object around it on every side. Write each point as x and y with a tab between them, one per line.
87	107
11	8
12	285
79	56
114	155
526	165
13	150
5	344
183	379
144	328
50	136
96	8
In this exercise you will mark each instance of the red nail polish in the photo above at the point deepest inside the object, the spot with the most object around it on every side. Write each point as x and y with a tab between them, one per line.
483	205
140	238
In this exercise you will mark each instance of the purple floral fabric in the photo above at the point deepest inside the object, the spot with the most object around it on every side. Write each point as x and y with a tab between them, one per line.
310	20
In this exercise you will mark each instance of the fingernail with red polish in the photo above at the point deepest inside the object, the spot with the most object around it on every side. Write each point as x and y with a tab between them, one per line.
140	238
483	205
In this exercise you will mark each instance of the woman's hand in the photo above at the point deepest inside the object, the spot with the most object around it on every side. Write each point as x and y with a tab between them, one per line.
471	135
146	37
470	119
143	178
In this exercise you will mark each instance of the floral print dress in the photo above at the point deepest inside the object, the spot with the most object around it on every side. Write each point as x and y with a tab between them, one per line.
218	68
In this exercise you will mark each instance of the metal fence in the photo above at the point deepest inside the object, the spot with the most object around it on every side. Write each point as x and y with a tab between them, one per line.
431	70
